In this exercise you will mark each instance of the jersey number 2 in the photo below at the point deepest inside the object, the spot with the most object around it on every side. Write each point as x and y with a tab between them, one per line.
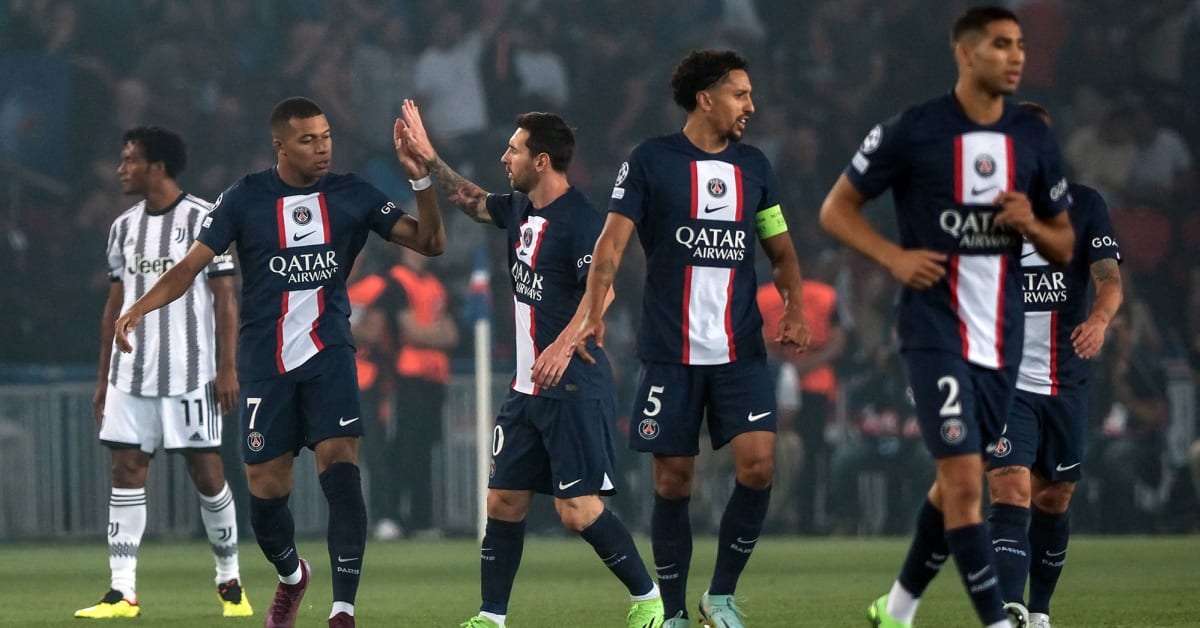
950	407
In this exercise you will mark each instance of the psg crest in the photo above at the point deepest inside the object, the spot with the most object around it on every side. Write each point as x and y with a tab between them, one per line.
954	431
255	441
527	237
716	187
301	215
985	166
648	429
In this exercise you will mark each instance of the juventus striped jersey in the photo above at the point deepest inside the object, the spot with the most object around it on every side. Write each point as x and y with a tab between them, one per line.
549	255
174	349
695	214
1056	298
945	171
295	247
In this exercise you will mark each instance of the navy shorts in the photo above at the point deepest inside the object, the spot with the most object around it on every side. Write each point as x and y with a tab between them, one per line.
1046	434
302	407
558	447
962	408
674	399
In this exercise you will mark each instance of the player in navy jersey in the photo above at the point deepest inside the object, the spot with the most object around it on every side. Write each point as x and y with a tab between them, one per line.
698	198
298	228
1039	459
552	440
971	174
171	392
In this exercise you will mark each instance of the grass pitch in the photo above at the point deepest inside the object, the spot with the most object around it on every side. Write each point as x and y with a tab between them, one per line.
1142	582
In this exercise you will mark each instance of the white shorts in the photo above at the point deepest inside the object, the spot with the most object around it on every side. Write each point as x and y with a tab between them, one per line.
188	421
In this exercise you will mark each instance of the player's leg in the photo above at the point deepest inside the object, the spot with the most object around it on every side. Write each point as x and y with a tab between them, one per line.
1008	476
578	436
1054	478
131	430
666	417
192	426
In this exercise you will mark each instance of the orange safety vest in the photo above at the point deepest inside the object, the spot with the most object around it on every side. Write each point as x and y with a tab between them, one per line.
819	300
427	298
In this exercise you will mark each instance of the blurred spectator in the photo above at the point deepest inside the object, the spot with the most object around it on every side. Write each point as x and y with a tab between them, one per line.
448	81
1161	173
1101	152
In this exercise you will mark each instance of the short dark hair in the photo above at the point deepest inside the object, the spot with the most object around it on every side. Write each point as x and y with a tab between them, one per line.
550	134
1036	109
294	107
976	19
700	70
160	144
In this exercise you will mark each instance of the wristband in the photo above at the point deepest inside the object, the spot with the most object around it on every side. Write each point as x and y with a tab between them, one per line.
421	184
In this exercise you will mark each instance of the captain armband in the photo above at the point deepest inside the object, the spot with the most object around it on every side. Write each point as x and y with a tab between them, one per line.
770	222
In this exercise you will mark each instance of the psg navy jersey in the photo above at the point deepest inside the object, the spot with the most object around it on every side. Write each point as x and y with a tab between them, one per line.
1056	298
549	255
945	172
695	216
296	247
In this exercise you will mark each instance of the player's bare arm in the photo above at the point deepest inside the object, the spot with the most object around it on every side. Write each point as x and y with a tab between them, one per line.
424	234
225	307
112	307
1053	237
588	319
460	191
1088	337
169	287
785	271
841	216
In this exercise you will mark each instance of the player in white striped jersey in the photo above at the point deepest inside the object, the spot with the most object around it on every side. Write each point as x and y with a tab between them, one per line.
164	393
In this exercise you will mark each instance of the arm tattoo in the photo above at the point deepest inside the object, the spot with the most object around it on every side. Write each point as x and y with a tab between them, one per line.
468	196
1105	270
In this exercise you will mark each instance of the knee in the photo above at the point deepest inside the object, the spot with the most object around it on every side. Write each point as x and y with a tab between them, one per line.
1055	498
1009	485
757	472
206	472
579	513
673	481
128	472
506	506
959	491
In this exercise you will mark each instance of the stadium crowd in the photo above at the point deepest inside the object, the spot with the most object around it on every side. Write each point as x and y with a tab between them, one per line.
1119	76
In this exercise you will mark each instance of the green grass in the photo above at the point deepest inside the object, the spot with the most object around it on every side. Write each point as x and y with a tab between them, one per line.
790	582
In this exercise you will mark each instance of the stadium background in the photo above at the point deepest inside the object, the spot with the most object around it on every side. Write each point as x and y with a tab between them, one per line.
1119	76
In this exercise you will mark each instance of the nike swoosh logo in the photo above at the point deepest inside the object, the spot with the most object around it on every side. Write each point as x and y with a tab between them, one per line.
347	560
343	422
1004	541
296	237
1024	255
709	210
747	542
563	487
1056	554
977	190
978	574
937	556
754	417
658	568
1066	468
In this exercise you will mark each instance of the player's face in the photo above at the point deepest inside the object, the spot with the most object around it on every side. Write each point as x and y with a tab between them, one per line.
731	105
305	146
997	58
134	170
519	163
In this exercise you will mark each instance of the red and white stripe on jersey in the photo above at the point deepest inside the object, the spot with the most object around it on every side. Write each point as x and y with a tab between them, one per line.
716	191
303	220
1039	359
1038	372
983	167
296	337
707	320
525	315
977	298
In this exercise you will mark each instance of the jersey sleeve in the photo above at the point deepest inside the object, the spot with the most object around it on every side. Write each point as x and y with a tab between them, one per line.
1048	192
1101	237
219	228
499	207
770	197
382	213
115	254
880	159
629	190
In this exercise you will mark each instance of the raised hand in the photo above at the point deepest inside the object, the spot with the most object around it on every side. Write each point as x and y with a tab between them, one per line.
415	136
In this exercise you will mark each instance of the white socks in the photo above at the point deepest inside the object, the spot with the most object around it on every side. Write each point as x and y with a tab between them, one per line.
126	524
220	523
901	604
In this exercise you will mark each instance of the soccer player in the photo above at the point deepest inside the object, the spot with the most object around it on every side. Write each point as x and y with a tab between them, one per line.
164	393
557	441
298	228
697	199
971	174
1039	459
